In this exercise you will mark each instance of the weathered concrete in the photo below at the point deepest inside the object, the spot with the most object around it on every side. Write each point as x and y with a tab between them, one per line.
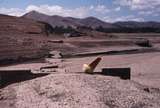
124	73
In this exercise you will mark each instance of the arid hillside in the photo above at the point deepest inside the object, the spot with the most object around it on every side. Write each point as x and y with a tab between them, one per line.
19	25
20	38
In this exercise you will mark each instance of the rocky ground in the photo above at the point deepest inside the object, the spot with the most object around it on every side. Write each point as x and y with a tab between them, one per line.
69	87
66	85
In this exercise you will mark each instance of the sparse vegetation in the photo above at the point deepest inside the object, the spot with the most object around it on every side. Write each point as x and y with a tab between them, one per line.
62	30
48	29
128	30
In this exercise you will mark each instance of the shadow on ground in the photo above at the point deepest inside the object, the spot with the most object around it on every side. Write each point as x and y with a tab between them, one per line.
123	73
15	77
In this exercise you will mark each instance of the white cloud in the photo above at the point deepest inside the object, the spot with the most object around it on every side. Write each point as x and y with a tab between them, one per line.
139	4
156	14
49	10
101	9
79	12
91	7
146	12
117	9
59	10
12	11
142	7
122	18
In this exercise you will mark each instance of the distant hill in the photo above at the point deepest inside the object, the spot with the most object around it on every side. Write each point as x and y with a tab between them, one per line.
134	24
67	21
94	23
53	20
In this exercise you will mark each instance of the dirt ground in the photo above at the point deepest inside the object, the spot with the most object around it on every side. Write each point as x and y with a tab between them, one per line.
69	87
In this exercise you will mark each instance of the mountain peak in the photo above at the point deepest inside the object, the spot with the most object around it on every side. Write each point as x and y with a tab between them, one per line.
33	13
91	18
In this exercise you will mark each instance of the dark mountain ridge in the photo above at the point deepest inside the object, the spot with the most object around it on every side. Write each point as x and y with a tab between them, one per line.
95	23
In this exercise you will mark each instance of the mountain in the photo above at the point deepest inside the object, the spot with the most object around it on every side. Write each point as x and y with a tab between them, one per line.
95	23
134	24
67	21
53	20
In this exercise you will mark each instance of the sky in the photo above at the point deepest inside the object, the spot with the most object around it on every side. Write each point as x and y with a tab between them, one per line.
106	10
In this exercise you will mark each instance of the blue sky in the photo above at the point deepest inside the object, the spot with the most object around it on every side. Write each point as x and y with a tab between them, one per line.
107	10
